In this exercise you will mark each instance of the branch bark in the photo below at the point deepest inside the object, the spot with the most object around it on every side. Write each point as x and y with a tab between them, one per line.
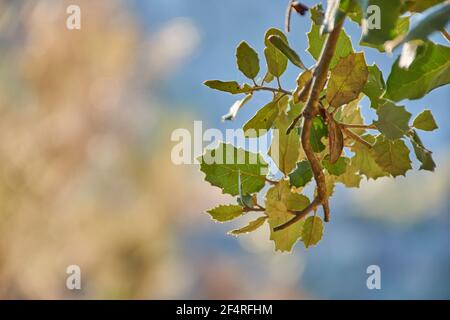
312	109
314	88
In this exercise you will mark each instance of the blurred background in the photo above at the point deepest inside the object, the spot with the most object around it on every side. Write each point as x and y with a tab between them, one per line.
86	176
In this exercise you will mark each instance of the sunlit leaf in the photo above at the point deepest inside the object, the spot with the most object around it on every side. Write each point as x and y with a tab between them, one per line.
223	165
430	70
312	231
247	60
279	201
250	227
224	213
347	80
425	121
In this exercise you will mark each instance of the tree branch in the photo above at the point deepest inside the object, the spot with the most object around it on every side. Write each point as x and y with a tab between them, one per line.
299	215
319	79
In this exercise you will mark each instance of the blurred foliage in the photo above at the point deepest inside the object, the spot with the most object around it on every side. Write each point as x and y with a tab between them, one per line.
83	178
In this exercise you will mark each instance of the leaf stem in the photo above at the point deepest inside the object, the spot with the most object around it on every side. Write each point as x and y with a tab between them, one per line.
276	90
446	34
355	137
357	126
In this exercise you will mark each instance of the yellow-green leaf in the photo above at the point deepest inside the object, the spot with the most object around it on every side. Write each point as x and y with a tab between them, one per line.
281	45
316	41
393	121
312	231
364	160
251	226
347	80
224	213
285	147
227	86
392	156
262	121
425	121
279	200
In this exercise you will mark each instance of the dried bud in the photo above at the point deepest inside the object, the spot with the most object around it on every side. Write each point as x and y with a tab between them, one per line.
300	8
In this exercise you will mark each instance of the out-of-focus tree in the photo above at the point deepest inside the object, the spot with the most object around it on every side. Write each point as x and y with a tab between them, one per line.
83	177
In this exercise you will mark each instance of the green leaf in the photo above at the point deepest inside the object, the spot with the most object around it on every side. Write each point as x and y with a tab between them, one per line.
392	156
318	131
262	121
312	231
434	19
337	168
274	32
351	114
234	109
347	80
316	42
268	77
224	213
364	160
284	150
279	201
301	175
226	86
421	5
375	85
276	60
252	226
425	121
350	178
247	60
317	14
223	165
248	201
281	45
430	69
422	154
380	23
393	121
401	29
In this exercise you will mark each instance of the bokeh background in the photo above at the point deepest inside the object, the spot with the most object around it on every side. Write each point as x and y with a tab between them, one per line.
86	176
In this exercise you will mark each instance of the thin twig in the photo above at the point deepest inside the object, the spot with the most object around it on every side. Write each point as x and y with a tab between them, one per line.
287	20
294	123
276	90
355	137
446	34
357	126
248	209
299	214
271	181
302	96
